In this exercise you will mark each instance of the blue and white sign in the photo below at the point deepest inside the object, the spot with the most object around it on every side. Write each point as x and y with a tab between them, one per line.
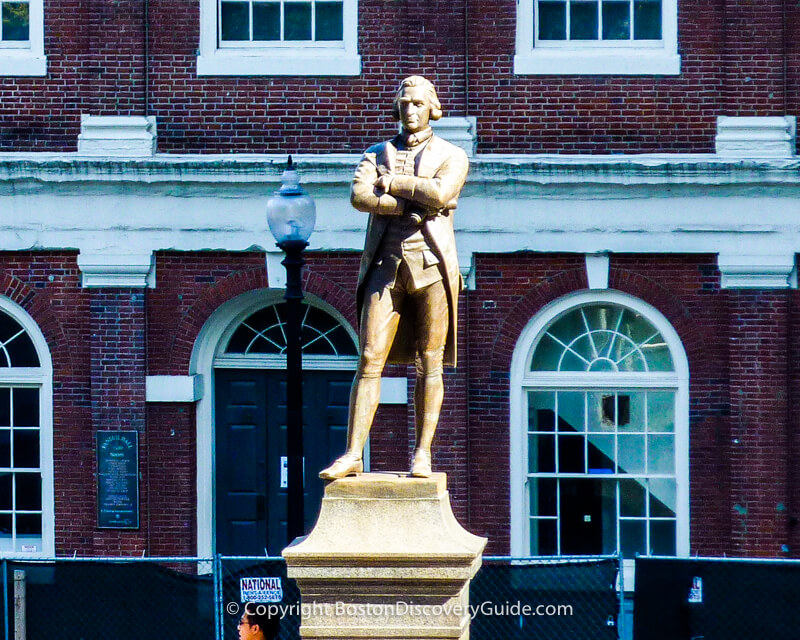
260	590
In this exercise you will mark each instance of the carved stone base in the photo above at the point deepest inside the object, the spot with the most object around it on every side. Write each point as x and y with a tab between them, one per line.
386	559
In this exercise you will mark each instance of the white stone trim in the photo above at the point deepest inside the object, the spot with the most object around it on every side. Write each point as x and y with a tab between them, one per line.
757	271
756	137
276	272
521	379
466	265
394	390
279	60
658	203
21	63
597	58
599	62
173	388
597	267
528	172
224	62
458	130
117	271
129	136
206	355
42	377
29	60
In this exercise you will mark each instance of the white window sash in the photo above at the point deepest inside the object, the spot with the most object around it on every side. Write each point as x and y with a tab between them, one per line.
26	58
596	57
523	380
42	378
277	58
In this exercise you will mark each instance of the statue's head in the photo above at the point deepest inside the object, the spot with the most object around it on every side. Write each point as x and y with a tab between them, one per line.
413	91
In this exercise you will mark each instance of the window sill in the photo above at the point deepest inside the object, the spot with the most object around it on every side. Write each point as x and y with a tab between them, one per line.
16	62
598	61
279	62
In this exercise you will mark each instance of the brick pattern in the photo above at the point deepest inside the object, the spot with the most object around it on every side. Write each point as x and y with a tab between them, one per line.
760	467
739	57
172	473
118	366
741	348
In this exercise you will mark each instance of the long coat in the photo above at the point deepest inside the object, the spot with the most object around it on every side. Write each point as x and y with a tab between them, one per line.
441	172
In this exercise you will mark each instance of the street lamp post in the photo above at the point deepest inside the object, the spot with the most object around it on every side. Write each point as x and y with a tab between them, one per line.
291	215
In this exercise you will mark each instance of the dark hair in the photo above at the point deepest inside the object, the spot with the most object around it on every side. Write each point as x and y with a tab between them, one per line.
269	625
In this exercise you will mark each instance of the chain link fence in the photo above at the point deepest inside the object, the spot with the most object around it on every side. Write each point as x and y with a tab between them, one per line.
546	599
143	598
97	598
716	599
253	579
510	599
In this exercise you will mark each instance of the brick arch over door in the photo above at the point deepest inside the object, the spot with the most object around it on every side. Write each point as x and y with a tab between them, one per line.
654	293
202	362
240	283
37	305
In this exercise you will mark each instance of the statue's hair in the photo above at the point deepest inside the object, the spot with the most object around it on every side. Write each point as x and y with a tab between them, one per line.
418	81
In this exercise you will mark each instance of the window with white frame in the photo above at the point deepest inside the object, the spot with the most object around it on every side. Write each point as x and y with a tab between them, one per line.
22	38
264	333
602	415
26	493
279	37
597	37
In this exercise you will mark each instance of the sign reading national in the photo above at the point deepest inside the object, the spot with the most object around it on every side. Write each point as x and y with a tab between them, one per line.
261	589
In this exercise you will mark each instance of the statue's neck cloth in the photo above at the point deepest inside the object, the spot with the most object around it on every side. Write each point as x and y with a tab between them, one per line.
412	140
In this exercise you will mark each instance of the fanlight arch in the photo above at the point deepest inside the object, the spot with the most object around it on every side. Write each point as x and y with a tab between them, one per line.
599	430
26	439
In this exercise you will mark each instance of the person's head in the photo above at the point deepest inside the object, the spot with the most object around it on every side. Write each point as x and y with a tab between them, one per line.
416	103
257	624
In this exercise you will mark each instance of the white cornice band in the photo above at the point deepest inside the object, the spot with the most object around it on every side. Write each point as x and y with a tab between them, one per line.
758	272
117	271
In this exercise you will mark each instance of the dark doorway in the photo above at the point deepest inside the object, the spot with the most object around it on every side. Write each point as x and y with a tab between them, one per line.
250	435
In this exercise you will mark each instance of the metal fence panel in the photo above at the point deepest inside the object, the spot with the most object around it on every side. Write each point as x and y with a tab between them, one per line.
133	599
576	598
144	598
710	598
233	570
545	599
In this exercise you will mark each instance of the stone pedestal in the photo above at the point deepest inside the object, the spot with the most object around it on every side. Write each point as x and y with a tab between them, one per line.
386	559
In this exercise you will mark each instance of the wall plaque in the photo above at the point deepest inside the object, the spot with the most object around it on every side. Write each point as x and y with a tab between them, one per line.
118	479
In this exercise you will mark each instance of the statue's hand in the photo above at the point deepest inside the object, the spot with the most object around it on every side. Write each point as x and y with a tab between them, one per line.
382	184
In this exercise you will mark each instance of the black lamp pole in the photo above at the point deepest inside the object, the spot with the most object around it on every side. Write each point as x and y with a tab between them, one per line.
291	215
294	387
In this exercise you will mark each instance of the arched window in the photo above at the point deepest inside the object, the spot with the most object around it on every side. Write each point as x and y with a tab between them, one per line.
26	493
602	413
264	332
259	339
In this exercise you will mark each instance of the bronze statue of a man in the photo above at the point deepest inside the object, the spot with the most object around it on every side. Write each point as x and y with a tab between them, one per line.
409	280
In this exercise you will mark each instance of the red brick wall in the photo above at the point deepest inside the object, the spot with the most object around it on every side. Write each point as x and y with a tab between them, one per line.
513	288
172	470
733	63
759	447
793	445
118	367
742	349
61	310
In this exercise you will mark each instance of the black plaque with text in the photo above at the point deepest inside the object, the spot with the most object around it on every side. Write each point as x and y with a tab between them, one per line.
118	479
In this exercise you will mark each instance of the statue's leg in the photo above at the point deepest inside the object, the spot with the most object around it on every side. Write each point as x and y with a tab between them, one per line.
380	318
432	323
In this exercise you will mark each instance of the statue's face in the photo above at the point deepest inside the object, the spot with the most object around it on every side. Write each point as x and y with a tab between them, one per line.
415	109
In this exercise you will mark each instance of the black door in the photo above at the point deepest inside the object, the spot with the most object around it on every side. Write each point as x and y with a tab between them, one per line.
250	428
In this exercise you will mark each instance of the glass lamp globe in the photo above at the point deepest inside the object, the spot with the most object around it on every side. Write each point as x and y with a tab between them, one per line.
291	212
